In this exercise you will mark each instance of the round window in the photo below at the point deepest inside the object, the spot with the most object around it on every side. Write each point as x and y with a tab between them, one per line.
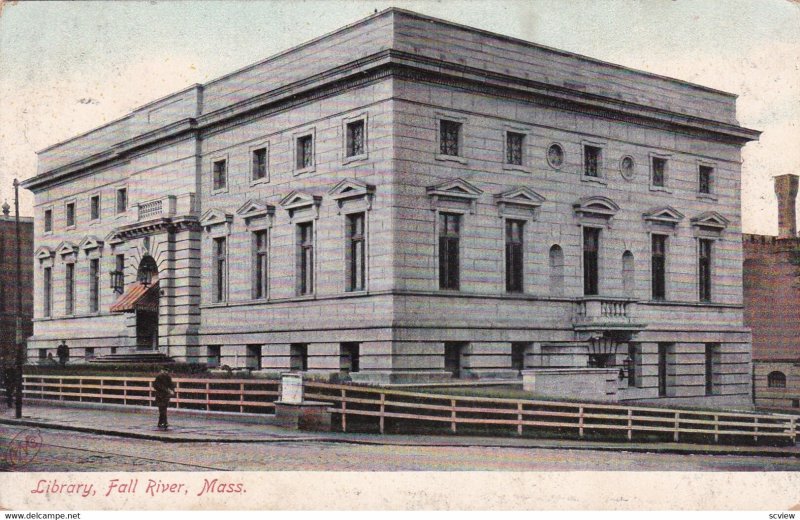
555	156
627	167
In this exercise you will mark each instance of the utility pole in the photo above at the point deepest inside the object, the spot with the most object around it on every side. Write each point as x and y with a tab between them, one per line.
20	339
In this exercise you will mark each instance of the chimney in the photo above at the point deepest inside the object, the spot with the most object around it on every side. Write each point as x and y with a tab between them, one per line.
786	190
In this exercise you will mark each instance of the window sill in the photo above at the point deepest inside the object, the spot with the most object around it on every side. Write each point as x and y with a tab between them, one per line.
707	196
663	189
355	158
219	190
121	214
301	171
451	158
516	167
70	228
256	182
594	180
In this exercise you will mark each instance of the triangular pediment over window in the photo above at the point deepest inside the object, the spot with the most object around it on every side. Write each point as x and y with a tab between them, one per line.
113	239
666	215
351	188
299	201
458	188
596	207
710	220
519	201
66	248
43	253
215	217
90	242
255	208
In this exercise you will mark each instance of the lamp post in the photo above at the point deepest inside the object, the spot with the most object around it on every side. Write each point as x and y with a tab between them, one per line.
20	339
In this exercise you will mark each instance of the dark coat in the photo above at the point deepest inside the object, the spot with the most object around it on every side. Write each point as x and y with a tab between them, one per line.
163	388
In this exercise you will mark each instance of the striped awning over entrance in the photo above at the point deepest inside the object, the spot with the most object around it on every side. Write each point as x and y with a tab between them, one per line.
138	297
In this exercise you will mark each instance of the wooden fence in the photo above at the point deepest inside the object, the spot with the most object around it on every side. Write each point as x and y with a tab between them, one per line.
371	408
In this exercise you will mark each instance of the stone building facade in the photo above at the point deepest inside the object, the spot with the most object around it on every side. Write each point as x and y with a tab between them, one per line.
404	200
10	286
772	304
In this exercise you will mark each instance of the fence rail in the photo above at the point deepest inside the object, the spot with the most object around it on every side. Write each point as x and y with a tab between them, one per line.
410	410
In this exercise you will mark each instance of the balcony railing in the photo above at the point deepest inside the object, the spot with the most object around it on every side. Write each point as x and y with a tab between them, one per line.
167	206
604	312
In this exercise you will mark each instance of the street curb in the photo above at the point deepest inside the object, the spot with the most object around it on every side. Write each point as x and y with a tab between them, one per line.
388	442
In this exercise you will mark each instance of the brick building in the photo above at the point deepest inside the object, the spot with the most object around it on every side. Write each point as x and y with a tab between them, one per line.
772	303
8	281
408	199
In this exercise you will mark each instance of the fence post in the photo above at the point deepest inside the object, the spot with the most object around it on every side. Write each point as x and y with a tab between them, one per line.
755	430
676	436
344	411
241	397
453	415
80	390
793	429
519	418
124	391
580	421
630	424
60	388
383	408
716	428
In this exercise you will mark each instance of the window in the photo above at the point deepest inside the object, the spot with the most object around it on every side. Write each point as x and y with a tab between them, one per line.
449	230
704	269
356	279
555	156
659	267
88	353
122	200
710	354
47	287
514	148
518	356
453	356
94	207
48	220
260	264
556	271
118	276
69	284
220	274
94	285
601	360
591	248
514	255
42	354
305	255
70	214
298	357
628	274
663	350
592	156
259	164
220	173
634	360
449	138
705	174
214	355
355	138
254	357
305	152
776	379
349	357
659	177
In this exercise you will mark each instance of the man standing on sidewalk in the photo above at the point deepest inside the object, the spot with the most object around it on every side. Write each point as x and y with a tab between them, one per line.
164	389
62	351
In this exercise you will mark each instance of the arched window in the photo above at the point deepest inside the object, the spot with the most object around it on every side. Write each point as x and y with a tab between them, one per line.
628	274
776	379
556	271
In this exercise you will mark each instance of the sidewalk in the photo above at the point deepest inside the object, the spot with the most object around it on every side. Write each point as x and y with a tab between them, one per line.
140	424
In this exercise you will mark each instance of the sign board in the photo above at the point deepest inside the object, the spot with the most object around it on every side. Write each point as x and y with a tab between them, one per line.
291	388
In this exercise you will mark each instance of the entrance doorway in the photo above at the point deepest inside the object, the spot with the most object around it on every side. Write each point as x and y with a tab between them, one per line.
148	306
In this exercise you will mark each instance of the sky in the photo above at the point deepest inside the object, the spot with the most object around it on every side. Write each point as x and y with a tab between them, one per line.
66	68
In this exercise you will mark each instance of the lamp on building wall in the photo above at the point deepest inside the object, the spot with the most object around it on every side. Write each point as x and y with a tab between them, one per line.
117	279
